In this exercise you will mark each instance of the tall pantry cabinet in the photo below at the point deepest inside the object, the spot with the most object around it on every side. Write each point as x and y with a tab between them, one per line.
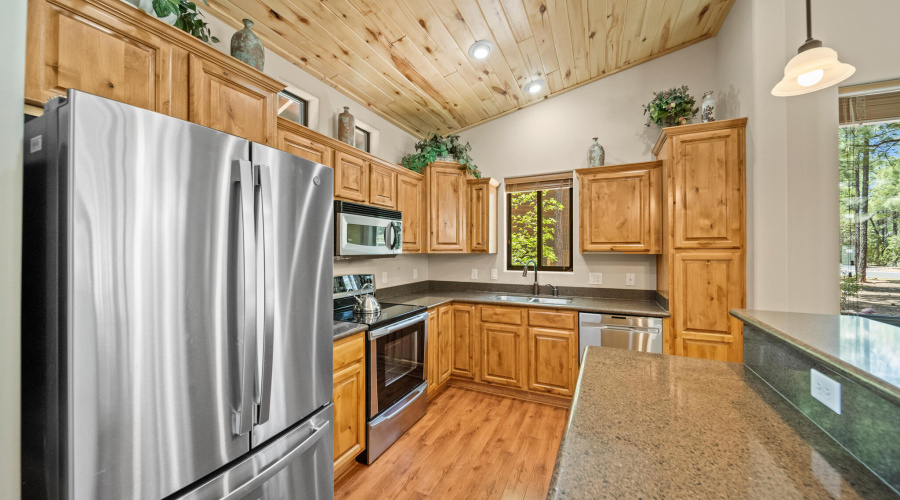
702	267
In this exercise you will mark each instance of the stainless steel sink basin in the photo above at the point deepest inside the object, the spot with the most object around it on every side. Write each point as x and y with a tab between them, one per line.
547	300
512	298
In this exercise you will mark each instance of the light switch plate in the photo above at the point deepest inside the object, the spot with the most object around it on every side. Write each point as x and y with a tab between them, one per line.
474	274
629	279
384	278
493	274
595	278
825	389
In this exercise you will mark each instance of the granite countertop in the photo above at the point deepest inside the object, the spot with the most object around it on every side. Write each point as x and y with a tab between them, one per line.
633	307
657	426
861	349
343	329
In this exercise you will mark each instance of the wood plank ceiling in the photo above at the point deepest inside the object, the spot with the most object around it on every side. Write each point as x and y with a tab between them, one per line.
408	60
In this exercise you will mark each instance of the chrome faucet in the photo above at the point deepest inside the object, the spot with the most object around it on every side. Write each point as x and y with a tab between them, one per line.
554	290
537	288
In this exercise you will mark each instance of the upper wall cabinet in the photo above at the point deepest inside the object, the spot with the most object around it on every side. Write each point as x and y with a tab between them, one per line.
411	203
619	208
382	185
482	237
351	177
447	196
291	139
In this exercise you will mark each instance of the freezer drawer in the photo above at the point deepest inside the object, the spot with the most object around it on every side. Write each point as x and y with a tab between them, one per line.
299	464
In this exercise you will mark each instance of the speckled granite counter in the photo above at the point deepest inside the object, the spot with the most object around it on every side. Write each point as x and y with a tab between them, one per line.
657	426
343	329
632	307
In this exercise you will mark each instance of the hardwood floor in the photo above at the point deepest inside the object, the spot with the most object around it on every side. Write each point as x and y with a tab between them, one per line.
469	445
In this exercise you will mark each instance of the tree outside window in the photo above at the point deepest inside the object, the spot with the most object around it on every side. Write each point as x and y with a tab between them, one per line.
553	250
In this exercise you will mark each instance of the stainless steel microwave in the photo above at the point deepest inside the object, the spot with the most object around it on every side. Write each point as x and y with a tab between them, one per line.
366	230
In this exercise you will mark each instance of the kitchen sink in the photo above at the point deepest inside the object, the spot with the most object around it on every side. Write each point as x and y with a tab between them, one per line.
512	298
547	300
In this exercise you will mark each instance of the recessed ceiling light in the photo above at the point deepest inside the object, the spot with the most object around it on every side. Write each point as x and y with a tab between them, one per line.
535	86
481	49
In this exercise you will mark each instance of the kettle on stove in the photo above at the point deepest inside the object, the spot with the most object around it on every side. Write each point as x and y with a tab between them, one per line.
366	304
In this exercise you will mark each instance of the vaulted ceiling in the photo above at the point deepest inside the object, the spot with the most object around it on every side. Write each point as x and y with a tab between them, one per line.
408	60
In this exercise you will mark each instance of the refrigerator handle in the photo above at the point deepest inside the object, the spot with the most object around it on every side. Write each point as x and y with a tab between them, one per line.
242	175
265	224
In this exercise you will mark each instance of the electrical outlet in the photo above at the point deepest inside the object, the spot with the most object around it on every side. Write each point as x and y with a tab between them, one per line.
474	274
629	279
825	389
384	278
493	274
415	274
595	278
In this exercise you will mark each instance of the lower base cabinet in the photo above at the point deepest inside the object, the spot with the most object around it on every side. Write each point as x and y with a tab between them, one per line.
349	401
552	361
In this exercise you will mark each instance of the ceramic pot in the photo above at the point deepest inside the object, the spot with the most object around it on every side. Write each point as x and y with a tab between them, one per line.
596	154
246	47
347	127
708	107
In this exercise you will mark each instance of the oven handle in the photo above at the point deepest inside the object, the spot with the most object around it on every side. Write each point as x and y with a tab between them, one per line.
381	332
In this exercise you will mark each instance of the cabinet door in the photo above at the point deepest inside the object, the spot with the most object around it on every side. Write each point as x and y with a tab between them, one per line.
709	179
707	286
382	186
75	45
482	221
447	209
503	355
349	402
298	145
445	343
552	361
464	341
226	101
432	354
411	202
620	211
351	178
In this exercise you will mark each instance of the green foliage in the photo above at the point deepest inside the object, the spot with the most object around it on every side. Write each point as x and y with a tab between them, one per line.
524	234
671	107
435	146
188	17
850	287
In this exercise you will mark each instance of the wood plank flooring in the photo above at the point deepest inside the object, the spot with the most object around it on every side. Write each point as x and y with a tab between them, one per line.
469	445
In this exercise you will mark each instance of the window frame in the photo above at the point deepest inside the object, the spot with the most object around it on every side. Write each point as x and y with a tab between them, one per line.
540	227
368	135
304	118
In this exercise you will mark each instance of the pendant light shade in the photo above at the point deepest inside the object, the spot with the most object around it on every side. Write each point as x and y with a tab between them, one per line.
814	67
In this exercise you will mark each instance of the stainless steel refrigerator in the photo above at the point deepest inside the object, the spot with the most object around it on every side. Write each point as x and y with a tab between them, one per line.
177	311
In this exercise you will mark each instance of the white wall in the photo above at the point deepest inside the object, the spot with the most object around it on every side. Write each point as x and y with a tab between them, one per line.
554	136
12	92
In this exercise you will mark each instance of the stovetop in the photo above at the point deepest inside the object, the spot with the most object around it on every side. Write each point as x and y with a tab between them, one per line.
390	313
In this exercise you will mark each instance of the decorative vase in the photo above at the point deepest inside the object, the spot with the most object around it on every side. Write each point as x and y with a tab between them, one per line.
708	107
347	127
596	154
246	47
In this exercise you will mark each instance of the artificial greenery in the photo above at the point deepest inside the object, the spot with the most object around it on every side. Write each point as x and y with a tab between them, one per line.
671	107
523	215
188	17
435	146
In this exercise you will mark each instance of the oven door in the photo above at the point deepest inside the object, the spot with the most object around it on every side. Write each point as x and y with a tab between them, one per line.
396	361
366	235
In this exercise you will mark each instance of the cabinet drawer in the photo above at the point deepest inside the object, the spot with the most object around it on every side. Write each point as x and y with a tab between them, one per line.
553	319
503	315
349	351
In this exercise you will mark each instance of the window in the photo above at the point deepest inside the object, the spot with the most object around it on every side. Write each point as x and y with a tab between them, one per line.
539	205
293	108
869	142
363	140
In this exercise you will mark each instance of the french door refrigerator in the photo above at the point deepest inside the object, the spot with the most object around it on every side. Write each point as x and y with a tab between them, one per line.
177	311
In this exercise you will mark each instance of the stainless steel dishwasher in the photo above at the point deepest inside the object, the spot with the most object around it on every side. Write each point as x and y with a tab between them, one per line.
616	330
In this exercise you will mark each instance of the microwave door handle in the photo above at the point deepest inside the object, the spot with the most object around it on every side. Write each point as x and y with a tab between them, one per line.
242	177
266	226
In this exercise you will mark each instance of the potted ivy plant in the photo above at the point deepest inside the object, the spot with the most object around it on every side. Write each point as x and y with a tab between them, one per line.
671	107
188	19
437	148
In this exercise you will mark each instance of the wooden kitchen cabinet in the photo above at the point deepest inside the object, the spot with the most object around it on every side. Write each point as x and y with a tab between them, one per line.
503	351
445	343
447	195
431	355
293	138
382	186
552	361
351	177
620	208
482	223
464	357
349	401
411	203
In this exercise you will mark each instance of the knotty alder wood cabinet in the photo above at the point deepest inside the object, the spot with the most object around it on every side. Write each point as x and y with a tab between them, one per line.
482	237
702	267
349	401
447	198
619	208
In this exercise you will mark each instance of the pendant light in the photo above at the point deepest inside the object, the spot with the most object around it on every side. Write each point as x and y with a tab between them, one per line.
813	68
